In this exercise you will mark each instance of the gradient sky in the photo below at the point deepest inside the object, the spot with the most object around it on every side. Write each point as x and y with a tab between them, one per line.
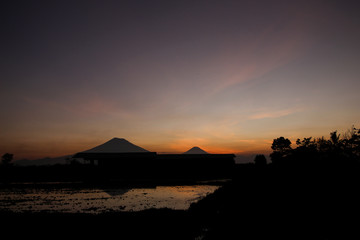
228	76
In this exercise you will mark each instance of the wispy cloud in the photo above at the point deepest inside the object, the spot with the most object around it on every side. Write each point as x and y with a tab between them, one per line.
274	114
274	46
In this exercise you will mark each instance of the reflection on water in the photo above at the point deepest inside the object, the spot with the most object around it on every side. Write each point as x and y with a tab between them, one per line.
101	200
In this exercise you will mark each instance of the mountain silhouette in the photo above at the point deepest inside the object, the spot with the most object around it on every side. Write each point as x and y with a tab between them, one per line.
195	150
116	145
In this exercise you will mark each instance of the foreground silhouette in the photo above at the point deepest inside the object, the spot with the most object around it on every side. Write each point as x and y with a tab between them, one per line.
307	192
268	202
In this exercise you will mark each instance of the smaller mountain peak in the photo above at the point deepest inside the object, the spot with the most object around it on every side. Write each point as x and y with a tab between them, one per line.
118	140
195	150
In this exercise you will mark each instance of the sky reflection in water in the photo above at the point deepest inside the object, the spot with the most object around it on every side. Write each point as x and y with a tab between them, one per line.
101	200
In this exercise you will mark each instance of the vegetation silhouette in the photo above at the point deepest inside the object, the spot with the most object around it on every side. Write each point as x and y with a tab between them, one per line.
318	152
281	147
260	160
6	159
306	192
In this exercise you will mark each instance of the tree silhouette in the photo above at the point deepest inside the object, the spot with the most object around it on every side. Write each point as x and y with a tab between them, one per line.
351	144
335	138
282	149
337	150
281	144
260	160
6	159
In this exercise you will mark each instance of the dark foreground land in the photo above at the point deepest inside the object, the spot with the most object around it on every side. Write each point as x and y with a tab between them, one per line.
261	202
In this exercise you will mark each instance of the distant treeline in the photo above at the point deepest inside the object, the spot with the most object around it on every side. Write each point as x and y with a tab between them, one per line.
343	150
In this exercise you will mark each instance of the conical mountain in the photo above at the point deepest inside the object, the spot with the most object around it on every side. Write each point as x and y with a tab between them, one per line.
195	150
116	145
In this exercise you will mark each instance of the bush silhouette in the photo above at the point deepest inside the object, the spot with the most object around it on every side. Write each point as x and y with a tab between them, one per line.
6	159
260	160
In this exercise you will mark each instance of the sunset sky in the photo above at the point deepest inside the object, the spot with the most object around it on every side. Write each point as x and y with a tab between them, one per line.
227	76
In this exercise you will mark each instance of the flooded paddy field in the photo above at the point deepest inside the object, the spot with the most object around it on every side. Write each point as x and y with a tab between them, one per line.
60	198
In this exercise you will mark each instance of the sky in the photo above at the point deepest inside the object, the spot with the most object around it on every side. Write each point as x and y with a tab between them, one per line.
227	76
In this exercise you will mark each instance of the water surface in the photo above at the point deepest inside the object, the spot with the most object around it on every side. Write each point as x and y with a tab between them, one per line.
96	200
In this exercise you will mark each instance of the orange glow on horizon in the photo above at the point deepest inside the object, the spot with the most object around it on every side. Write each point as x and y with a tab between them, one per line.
44	149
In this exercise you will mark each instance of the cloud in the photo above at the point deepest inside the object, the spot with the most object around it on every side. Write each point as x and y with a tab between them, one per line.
274	114
271	47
